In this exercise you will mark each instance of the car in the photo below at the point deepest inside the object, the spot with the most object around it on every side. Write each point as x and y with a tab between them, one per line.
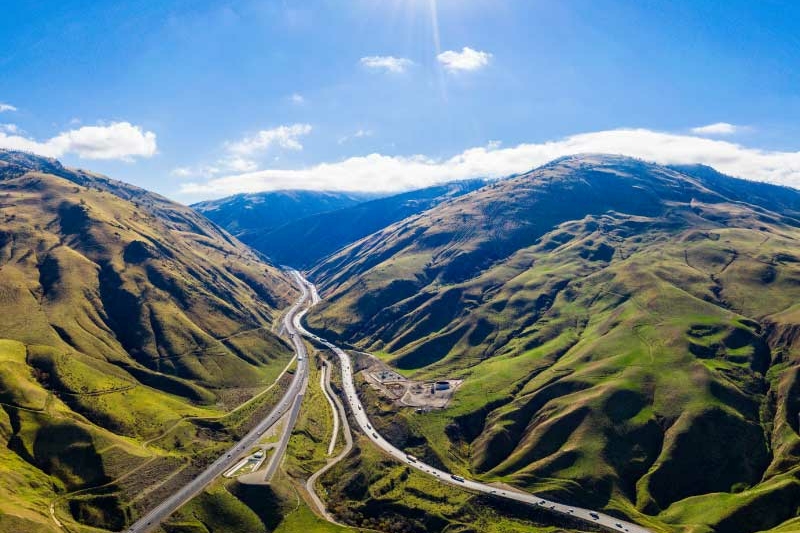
375	435
411	458
457	478
618	525
594	515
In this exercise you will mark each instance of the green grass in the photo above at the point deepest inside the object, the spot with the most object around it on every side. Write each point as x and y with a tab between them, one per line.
308	445
125	317
611	383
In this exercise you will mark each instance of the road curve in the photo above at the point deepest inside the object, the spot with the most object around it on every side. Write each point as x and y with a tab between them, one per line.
162	511
348	445
587	515
323	385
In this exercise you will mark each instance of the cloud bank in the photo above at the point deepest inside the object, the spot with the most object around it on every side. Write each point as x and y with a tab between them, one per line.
383	173
119	140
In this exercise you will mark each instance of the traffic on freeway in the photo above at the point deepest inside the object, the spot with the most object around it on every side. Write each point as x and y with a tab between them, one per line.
361	418
290	322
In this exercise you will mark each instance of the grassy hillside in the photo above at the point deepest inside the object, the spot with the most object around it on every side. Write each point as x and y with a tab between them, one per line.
628	335
129	327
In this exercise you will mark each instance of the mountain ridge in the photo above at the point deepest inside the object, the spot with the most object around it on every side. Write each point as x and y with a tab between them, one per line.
615	322
126	317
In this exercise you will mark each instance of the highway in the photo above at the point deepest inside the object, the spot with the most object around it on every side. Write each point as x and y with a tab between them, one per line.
280	449
162	511
588	515
348	445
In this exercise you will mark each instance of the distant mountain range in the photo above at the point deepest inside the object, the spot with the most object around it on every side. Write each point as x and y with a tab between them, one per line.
320	222
242	214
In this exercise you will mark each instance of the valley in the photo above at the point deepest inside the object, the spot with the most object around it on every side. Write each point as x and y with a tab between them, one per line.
582	342
400	266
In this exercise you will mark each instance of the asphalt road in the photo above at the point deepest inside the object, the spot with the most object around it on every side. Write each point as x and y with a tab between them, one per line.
348	445
162	511
324	385
361	418
277	455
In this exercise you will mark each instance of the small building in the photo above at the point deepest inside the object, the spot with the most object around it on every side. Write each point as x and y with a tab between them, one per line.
442	385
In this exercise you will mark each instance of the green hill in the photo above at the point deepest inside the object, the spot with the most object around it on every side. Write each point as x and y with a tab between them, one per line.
628	336
124	318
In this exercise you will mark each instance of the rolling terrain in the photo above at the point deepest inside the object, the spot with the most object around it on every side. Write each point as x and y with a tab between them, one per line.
135	338
627	334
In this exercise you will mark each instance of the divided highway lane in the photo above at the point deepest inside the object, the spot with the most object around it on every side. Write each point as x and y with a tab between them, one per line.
587	515
161	512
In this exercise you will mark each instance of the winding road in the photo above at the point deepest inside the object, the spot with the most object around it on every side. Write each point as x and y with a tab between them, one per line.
587	515
291	321
338	414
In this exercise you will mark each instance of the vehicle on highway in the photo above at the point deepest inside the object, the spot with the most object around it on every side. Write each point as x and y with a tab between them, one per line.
375	435
411	458
457	478
594	515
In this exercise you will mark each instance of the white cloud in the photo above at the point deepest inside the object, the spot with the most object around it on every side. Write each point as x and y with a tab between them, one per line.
284	136
377	172
718	128
119	140
357	135
241	156
466	59
238	164
297	99
9	128
6	107
182	172
397	65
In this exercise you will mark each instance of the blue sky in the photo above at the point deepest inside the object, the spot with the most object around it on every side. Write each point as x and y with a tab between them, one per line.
200	99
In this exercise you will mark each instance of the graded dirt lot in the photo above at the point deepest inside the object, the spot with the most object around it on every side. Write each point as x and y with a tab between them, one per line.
406	392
